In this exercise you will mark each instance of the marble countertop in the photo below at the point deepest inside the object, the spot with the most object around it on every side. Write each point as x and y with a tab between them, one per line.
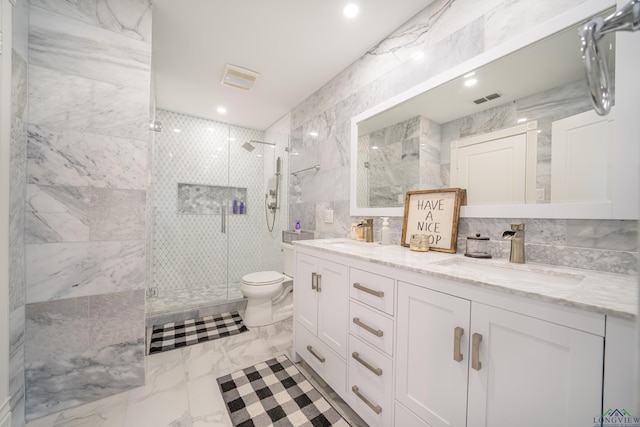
606	293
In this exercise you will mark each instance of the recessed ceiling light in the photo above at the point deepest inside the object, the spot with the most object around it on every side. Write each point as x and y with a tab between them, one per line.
351	10
470	82
221	110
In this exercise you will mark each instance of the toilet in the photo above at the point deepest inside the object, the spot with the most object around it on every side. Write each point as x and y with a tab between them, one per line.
267	293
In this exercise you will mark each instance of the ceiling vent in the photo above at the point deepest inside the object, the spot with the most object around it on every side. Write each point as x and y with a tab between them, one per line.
238	77
490	97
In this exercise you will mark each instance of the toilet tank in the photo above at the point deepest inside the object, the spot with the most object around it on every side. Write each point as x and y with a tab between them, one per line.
287	256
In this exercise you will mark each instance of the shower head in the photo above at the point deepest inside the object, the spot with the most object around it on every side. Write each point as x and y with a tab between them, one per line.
247	145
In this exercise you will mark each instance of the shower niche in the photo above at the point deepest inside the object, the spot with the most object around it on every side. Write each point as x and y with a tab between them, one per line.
202	199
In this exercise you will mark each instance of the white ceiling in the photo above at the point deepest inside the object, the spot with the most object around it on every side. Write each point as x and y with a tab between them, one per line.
296	45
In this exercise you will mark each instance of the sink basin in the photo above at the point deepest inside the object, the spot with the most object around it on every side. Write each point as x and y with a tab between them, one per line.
522	273
354	243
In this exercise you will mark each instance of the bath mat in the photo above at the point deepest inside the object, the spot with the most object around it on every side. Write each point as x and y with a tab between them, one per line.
181	334
275	393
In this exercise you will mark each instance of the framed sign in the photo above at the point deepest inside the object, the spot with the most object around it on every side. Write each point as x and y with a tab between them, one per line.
435	213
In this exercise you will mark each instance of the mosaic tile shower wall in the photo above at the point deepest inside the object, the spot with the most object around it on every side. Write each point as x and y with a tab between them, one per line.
192	251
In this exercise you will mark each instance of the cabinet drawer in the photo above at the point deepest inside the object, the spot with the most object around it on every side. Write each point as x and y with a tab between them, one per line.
327	364
371	326
372	289
374	406
371	366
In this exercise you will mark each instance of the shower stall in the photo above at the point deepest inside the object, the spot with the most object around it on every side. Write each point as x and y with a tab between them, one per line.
208	196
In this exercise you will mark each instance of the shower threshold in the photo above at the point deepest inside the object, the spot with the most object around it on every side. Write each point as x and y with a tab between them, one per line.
182	304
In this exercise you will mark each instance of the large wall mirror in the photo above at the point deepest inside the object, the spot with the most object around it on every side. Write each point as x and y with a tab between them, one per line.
514	126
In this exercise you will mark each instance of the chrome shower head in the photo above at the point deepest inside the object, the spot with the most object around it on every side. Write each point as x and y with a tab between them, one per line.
247	146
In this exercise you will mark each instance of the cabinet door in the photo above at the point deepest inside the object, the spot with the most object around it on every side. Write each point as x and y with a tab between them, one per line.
429	381
333	305
533	373
305	297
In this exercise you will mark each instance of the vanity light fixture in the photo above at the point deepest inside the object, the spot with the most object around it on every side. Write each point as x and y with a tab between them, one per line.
351	10
238	77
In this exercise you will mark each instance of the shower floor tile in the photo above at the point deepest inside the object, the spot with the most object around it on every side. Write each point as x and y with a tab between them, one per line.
181	388
177	300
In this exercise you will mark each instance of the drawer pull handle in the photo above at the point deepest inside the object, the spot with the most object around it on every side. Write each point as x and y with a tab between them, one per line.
457	337
376	332
375	408
475	353
314	282
316	355
359	287
318	282
366	364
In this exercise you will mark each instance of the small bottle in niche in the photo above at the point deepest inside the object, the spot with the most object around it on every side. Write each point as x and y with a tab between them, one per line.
298	226
234	209
241	208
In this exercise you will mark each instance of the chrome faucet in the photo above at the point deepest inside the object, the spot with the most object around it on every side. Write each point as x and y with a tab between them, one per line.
516	235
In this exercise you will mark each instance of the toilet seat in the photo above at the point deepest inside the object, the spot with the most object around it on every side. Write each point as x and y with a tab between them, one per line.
263	278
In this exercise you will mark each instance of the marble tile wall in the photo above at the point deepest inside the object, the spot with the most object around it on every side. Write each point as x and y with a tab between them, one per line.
85	200
17	190
446	33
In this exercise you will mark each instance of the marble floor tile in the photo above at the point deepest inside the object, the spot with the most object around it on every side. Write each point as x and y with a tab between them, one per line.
181	388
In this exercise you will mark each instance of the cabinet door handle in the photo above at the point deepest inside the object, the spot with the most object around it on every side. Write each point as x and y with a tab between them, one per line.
318	282
457	337
358	286
375	408
376	332
314	281
476	339
377	371
316	355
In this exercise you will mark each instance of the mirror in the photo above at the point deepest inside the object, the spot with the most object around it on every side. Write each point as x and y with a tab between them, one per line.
444	132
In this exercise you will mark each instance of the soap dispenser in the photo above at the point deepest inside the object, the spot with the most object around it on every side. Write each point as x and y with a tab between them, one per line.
385	233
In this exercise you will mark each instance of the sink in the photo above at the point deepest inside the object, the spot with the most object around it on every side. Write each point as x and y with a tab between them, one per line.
522	273
353	243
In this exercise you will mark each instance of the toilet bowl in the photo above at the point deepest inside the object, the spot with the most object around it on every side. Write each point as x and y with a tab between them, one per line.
266	289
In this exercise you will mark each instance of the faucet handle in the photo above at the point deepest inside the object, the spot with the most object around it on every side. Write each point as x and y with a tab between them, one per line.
517	227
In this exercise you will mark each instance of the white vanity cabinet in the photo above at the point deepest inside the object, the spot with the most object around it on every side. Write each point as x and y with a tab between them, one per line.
321	302
408	346
462	362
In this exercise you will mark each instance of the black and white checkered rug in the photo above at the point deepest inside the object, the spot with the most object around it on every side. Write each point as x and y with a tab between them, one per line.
275	393
180	334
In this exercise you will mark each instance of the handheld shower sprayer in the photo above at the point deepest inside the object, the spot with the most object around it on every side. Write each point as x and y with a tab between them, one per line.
273	206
